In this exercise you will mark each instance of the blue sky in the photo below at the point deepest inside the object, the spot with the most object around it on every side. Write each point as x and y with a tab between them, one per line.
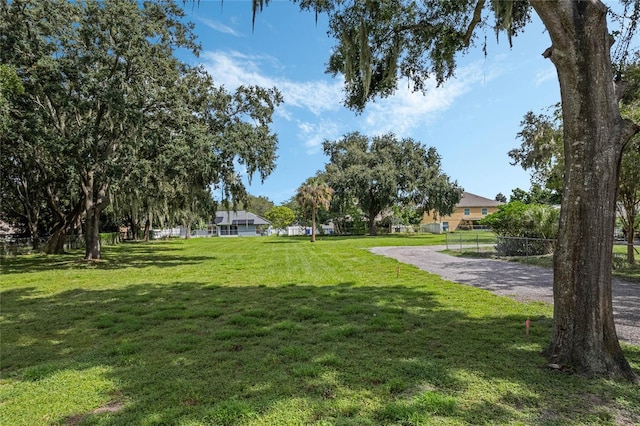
472	120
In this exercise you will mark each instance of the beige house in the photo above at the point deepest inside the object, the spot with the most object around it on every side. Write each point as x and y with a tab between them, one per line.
466	215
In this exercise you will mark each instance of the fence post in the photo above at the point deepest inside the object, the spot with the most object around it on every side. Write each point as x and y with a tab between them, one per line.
446	239
460	243
477	243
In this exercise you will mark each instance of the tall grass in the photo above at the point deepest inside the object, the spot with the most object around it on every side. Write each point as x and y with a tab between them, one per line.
277	331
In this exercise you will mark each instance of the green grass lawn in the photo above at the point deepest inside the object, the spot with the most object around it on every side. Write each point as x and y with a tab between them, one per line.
277	331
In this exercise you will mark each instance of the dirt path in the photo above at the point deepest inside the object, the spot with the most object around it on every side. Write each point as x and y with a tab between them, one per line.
522	282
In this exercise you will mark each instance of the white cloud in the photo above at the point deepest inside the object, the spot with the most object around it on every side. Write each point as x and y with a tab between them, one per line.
406	110
232	69
314	134
217	26
316	96
401	113
542	77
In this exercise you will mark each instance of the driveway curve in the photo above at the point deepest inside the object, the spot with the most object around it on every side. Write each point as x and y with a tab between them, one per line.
525	283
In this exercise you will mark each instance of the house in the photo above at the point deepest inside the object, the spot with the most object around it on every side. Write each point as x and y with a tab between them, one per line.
469	210
239	223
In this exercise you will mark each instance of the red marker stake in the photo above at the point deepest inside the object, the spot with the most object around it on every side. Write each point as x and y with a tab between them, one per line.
527	323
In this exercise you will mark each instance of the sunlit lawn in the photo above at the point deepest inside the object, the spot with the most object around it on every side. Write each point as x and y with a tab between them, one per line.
277	331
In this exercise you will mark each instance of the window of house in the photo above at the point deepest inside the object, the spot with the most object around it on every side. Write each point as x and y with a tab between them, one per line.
229	230
484	212
467	212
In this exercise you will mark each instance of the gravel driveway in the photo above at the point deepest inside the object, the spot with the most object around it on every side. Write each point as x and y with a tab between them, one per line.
525	283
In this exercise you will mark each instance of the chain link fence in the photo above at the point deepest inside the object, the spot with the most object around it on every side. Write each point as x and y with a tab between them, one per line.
503	246
484	241
531	249
522	246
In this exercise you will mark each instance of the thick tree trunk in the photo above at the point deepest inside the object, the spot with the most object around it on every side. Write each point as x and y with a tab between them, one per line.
372	225
147	230
92	237
135	229
631	258
187	230
64	225
373	212
96	200
313	224
55	242
584	336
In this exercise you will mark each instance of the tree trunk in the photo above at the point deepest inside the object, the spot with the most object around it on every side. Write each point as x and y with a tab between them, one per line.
92	237
313	224
33	234
96	200
584	336
187	230
57	239
30	208
63	226
147	230
372	226
631	258
373	212
135	228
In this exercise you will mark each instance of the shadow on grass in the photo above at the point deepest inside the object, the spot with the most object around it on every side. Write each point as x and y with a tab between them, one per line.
189	352
531	282
140	255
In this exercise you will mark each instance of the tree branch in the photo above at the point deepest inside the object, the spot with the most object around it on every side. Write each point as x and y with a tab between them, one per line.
477	16
630	130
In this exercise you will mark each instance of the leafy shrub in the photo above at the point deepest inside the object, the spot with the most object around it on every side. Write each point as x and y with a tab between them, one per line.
531	228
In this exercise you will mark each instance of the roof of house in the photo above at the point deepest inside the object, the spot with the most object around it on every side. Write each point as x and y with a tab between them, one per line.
241	217
472	200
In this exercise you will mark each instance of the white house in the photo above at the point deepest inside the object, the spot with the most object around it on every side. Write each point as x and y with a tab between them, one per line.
240	223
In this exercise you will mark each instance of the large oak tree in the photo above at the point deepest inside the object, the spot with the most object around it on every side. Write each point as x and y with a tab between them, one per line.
384	171
379	42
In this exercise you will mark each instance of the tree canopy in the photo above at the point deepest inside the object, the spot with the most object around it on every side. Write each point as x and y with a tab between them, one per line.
280	217
380	172
10	85
111	117
259	205
542	149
